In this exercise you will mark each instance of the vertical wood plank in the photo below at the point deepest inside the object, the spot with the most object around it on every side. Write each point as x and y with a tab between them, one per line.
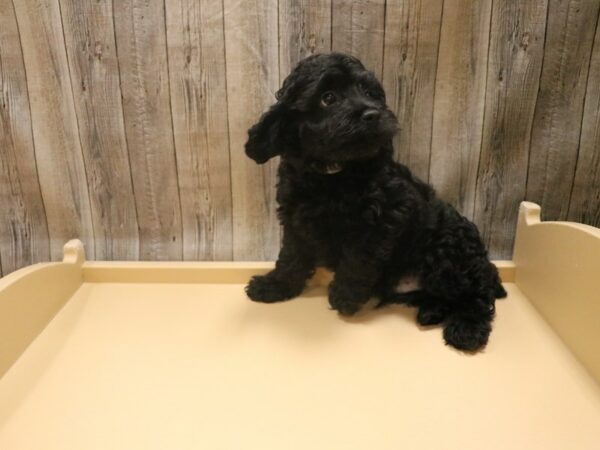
358	28
196	50
514	66
23	229
57	146
252	80
585	198
142	56
90	43
559	109
459	101
412	37
304	29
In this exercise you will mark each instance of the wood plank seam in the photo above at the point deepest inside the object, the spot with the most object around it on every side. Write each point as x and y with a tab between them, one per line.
35	163
142	131
434	92
181	232
481	142
85	169
537	96
135	205
231	225
382	70
37	172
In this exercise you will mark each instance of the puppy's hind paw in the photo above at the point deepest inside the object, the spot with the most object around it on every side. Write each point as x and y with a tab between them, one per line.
467	335
346	300
270	289
345	309
430	316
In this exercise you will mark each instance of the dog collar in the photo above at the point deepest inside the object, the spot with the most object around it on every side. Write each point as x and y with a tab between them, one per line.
327	168
332	168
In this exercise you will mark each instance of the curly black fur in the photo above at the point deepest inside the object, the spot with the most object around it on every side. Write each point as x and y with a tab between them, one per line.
345	204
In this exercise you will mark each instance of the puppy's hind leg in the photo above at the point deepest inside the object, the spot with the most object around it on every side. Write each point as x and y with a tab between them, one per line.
430	312
469	325
463	299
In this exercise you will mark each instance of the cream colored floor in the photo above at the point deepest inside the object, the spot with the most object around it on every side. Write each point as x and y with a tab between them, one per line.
172	366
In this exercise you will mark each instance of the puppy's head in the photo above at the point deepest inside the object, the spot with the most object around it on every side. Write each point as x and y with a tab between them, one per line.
329	111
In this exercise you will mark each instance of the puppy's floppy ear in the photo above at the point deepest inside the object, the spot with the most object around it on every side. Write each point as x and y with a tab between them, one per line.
275	131
265	138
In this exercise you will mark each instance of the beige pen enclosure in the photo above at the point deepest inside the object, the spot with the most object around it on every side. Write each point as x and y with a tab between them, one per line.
122	126
140	355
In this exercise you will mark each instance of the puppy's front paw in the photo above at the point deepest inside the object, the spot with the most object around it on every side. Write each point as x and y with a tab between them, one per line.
467	335
345	300
270	289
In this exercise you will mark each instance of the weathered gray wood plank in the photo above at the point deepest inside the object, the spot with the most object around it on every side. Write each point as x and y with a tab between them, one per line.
514	66
585	198
57	147
142	56
559	109
358	28
196	49
23	228
459	101
90	43
304	29
252	80
412	37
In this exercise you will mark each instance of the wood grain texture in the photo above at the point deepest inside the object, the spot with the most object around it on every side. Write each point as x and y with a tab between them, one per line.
304	29
57	147
559	109
252	80
123	123
584	204
459	101
358	29
142	56
23	228
196	48
513	76
412	37
91	51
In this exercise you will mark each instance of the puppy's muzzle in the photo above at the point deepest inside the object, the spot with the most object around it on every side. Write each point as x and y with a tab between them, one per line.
370	115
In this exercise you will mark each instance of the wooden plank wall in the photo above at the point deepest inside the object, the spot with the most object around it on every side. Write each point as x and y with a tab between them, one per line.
123	123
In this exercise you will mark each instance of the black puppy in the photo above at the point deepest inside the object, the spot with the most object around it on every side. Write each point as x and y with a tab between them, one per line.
345	204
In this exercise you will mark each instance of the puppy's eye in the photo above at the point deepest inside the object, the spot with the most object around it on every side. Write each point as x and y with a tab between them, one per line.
363	87
328	98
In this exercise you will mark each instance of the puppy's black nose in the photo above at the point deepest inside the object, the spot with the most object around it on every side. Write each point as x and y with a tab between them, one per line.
370	115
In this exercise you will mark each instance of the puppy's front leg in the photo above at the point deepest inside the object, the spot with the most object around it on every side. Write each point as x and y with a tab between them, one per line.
353	283
294	266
